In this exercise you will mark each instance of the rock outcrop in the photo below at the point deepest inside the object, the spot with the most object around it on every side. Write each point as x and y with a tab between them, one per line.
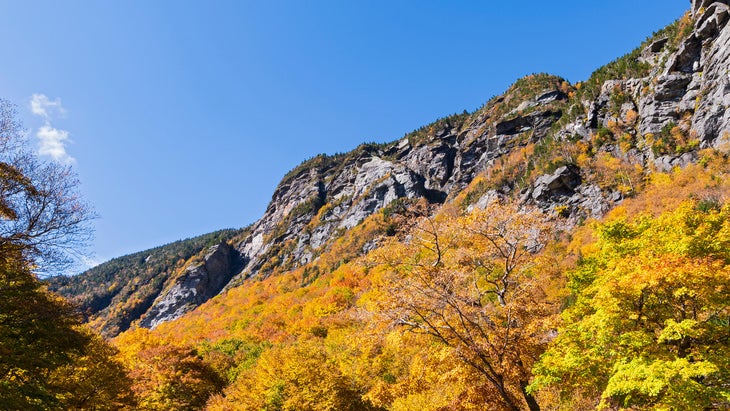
694	83
196	285
339	192
687	86
561	183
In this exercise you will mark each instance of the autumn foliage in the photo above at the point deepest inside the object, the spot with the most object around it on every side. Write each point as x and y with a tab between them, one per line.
471	309
648	329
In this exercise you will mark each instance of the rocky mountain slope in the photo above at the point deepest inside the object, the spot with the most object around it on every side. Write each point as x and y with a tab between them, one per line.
114	294
574	150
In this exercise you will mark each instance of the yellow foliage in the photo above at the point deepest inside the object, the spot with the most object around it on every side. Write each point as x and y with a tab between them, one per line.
631	117
338	331
650	298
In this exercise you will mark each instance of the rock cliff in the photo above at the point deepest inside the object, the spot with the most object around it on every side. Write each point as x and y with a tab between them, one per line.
199	282
683	82
653	108
433	163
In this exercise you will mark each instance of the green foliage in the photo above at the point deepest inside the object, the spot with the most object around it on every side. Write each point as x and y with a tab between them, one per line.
618	98
663	142
629	66
625	67
476	191
603	137
319	162
230	357
429	132
309	206
648	329
332	164
524	89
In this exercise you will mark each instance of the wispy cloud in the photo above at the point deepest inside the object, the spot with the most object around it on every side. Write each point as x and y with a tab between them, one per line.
90	262
52	143
44	107
51	140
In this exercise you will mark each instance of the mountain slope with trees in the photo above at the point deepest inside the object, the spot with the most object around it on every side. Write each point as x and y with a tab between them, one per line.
114	294
562	247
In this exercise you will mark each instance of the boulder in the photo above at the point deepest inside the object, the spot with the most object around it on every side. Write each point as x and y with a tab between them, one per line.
562	182
671	87
538	121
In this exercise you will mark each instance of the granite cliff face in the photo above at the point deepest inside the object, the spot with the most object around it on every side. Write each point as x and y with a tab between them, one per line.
199	282
686	85
433	163
678	82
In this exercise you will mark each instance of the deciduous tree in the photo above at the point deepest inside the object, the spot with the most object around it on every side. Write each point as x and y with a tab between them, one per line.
649	328
48	361
166	376
476	284
43	216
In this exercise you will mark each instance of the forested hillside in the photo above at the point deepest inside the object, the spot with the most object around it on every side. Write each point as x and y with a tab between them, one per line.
563	247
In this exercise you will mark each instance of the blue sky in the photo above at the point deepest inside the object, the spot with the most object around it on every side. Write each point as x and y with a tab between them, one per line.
181	117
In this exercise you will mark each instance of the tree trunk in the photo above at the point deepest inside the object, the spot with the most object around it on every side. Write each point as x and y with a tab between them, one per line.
505	396
531	402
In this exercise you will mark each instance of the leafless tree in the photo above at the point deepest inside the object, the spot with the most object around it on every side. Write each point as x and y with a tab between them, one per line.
41	211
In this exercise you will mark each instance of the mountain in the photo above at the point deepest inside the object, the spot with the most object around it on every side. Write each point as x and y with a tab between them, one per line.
576	150
562	247
114	294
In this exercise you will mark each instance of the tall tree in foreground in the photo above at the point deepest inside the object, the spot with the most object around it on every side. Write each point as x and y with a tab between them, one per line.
649	328
476	284
47	360
43	216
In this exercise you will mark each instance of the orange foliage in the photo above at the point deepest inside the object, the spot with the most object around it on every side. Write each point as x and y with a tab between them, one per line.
313	333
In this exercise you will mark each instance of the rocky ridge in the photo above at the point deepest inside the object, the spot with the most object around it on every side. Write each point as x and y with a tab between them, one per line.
676	85
687	86
199	282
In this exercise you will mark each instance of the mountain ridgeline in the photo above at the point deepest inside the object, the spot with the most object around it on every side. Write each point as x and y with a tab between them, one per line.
573	150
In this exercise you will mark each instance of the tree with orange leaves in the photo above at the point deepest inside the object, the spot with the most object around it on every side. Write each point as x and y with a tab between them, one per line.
476	283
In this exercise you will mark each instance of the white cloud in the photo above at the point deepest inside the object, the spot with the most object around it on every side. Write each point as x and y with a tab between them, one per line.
42	106
52	143
90	262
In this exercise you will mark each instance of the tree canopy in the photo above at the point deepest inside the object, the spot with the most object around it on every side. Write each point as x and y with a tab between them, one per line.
649	327
48	360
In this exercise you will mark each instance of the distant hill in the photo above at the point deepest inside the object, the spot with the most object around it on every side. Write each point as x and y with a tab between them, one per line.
114	294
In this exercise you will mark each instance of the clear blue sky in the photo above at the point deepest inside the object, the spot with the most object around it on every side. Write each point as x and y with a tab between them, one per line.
181	117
